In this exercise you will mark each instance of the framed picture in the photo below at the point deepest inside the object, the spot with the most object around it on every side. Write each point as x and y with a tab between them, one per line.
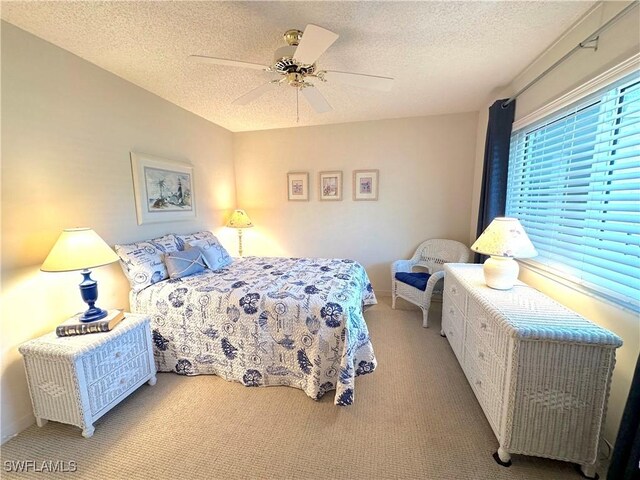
330	185
365	184
163	189
298	186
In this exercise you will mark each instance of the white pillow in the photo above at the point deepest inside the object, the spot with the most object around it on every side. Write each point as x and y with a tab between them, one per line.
183	240
215	255
142	261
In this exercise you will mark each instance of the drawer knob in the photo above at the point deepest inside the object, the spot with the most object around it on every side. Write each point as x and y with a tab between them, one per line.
450	333
481	355
483	326
123	381
454	290
118	354
478	382
451	311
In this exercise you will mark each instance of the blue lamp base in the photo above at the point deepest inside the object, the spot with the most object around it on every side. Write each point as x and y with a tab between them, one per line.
89	292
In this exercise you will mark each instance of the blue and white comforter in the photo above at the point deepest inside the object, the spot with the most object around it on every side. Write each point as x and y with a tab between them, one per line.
266	321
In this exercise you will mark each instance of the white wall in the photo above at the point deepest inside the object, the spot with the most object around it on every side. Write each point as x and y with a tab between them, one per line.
67	129
425	165
617	43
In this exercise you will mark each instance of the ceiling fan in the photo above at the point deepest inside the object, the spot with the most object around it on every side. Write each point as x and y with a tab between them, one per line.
296	64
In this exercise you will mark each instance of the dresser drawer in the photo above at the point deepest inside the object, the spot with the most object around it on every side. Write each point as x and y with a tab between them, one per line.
488	366
112	355
489	332
113	385
489	398
453	327
452	314
456	293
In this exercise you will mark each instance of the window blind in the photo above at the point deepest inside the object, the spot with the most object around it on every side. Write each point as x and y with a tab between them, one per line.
574	184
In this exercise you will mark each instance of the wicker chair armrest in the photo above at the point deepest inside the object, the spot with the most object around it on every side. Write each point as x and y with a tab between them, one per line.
402	266
433	281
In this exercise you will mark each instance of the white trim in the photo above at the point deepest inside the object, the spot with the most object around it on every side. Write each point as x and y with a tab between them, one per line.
613	74
11	429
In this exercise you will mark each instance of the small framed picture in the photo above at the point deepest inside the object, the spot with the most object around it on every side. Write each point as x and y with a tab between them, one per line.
365	184
298	186
330	185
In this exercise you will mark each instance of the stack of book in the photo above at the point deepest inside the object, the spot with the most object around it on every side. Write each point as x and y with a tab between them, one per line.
74	326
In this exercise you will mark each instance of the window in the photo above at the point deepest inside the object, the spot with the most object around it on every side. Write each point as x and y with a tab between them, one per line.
574	184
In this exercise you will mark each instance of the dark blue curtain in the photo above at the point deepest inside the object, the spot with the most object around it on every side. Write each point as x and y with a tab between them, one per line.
496	164
625	461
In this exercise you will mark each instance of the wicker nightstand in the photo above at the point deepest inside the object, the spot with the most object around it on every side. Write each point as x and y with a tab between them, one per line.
78	379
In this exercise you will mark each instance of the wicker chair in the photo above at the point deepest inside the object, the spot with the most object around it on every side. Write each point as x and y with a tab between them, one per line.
432	255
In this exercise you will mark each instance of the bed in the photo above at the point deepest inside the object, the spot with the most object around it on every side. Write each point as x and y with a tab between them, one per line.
265	321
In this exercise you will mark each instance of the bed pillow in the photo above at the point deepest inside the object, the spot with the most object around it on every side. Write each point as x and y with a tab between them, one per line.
182	264
215	255
183	240
142	261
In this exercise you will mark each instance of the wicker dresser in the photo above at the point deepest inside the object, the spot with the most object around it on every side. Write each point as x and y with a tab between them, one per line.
540	372
78	379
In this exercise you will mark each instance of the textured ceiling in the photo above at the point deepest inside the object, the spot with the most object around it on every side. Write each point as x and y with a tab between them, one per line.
446	56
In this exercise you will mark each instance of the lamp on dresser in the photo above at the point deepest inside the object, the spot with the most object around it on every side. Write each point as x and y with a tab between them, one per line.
81	249
504	239
240	220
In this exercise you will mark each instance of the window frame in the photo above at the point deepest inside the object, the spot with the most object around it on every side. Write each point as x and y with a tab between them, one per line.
588	94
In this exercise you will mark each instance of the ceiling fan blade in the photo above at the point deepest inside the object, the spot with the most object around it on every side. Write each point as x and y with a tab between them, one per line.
226	62
374	82
316	99
255	93
315	41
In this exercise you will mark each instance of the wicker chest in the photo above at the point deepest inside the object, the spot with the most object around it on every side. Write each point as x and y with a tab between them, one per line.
78	379
540	372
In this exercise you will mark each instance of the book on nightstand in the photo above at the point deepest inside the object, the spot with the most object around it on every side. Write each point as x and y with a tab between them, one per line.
74	326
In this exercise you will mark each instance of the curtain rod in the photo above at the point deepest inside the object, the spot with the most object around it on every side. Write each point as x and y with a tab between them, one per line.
593	37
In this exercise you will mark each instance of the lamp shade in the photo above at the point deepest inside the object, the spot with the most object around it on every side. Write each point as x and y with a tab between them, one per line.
78	249
239	219
505	237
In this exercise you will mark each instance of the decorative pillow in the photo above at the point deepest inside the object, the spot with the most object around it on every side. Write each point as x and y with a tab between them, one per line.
182	264
215	255
183	240
142	261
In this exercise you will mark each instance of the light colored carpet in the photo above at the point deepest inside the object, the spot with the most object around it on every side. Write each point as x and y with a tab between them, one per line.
415	417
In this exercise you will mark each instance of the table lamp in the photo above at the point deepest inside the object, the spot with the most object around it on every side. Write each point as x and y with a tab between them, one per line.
81	249
504	239
239	219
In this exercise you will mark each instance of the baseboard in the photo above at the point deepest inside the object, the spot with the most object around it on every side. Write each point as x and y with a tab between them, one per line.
10	430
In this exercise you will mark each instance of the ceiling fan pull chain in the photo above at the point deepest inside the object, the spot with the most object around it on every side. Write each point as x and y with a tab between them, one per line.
298	105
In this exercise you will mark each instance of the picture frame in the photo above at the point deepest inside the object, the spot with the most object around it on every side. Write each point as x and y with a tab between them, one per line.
365	184
330	185
163	189
298	186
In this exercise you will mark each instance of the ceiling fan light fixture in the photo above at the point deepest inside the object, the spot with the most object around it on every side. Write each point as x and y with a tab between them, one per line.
297	80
